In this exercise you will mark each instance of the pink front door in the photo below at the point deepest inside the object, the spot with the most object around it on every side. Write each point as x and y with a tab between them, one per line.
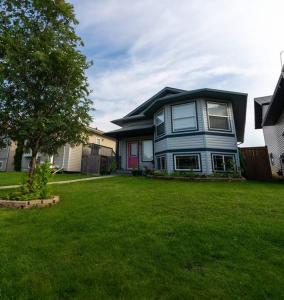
132	155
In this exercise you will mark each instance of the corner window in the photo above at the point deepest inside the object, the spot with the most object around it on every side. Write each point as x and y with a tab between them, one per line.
160	123
147	150
161	163
223	163
187	162
218	116
184	117
1	164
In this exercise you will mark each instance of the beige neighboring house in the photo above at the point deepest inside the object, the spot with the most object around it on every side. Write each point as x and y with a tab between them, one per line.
7	157
69	158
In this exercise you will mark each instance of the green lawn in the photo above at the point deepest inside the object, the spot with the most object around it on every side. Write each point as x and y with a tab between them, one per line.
10	178
137	238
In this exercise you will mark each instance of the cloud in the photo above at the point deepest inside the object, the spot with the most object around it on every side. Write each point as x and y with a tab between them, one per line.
140	47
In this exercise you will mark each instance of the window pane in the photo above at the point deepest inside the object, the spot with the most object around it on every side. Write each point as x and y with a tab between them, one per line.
217	109
185	123
184	116
147	149
133	149
218	163
160	129
219	123
187	162
184	110
161	163
229	163
160	118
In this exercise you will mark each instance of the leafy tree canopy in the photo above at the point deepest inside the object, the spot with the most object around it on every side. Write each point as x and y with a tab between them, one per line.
43	87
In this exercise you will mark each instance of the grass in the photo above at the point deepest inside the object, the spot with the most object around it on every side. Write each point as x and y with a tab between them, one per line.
13	178
137	238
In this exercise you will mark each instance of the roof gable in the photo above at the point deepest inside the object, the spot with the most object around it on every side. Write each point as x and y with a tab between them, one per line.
162	93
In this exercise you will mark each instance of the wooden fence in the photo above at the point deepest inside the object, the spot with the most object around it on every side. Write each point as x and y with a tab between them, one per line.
257	165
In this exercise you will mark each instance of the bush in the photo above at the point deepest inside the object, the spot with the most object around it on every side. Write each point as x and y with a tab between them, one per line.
38	189
136	172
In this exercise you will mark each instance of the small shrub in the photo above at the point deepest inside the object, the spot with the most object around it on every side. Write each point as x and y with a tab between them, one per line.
137	172
38	189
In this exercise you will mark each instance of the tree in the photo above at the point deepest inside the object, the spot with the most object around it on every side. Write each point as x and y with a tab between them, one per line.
43	87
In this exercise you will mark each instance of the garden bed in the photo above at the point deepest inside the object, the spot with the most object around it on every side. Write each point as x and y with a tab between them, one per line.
208	179
28	203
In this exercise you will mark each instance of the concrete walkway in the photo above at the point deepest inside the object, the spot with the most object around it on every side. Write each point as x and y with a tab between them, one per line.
60	182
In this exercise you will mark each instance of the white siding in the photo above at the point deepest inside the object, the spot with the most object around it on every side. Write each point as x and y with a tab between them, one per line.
74	159
273	136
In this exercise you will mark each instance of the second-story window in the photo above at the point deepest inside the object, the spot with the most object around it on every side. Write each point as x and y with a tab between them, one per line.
184	117
160	123
218	116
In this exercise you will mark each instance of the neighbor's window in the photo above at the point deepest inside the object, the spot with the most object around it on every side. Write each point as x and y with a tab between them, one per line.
184	117
161	163
187	162
160	123
218	116
223	163
147	150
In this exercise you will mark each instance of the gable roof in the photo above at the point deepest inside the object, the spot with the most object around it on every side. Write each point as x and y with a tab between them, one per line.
276	105
162	93
258	107
170	95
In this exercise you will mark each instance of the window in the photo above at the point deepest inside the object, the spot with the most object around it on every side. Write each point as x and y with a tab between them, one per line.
161	163
223	163
98	141
1	164
184	117
147	150
187	162
218	116
160	123
133	149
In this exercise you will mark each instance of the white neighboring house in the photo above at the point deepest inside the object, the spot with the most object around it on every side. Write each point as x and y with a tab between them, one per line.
7	157
269	115
69	158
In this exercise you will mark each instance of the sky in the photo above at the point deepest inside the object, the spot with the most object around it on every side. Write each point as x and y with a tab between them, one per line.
139	47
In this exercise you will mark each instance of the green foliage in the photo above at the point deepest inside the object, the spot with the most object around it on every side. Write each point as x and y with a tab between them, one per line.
43	87
38	189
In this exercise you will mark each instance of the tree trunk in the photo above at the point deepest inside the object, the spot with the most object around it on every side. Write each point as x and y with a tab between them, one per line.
32	166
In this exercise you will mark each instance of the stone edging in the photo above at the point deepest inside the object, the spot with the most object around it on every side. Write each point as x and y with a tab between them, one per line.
208	179
29	203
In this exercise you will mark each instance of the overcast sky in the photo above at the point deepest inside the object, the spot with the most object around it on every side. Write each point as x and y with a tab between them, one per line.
139	47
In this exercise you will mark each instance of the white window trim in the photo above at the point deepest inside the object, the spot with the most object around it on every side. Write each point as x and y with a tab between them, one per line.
195	116
161	110
188	154
223	155
142	148
227	117
1	164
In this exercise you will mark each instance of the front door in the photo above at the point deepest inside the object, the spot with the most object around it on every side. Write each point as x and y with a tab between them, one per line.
132	155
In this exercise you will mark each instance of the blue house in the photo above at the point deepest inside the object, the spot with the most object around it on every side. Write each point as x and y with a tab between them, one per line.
178	130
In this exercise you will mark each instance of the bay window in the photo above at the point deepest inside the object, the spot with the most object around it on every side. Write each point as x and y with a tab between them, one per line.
223	163
218	116
161	163
187	162
184	117
160	123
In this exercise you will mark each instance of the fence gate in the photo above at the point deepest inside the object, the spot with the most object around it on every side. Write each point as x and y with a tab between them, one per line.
256	163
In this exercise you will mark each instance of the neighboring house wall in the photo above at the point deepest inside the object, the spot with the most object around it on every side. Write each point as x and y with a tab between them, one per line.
102	140
7	157
69	158
274	139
